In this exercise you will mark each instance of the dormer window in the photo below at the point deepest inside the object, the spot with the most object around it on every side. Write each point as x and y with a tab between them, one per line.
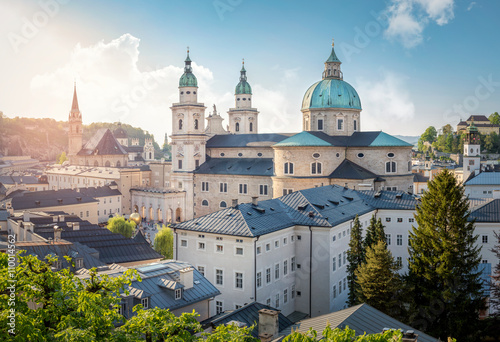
145	303
79	263
178	294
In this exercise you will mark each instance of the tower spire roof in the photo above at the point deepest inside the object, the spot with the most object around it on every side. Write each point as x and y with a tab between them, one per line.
188	79
333	57
243	87
74	105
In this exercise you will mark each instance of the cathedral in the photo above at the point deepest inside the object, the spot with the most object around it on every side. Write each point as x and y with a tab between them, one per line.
214	168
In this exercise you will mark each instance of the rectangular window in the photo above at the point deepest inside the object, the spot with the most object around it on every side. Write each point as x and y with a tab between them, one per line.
218	307
276	271
243	188
388	239
201	246
399	261
292	264
219	248
259	279
411	219
87	214
263	189
355	125
387	219
145	303
222	187
201	269
268	247
276	244
340	287
197	163
285	296
201	236
293	291
268	301
204	186
485	238
285	267
268	275
79	263
340	260
238	280
400	219
334	291
239	251
277	300
340	124
320	124
184	243
345	284
178	294
180	164
344	257
287	191
259	250
219	277
399	240
334	264
285	241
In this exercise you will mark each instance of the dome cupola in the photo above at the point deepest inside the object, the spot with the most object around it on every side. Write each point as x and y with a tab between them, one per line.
188	79
243	87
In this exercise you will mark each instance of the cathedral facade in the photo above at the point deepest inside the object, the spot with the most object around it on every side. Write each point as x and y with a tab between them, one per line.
217	168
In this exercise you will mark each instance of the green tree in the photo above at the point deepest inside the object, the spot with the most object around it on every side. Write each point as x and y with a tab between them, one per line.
118	224
448	144
69	308
445	283
355	257
379	231
343	335
495	118
429	135
495	283
61	158
447	129
164	242
370	238
378	281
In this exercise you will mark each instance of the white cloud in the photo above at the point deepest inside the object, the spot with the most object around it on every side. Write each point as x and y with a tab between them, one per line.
471	5
386	103
407	19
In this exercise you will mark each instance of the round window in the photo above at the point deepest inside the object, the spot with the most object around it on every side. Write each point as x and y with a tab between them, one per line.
238	99
182	93
240	154
188	92
222	154
338	155
259	154
194	92
244	99
316	155
361	155
390	155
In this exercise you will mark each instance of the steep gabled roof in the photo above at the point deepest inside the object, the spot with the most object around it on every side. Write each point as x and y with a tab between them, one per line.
349	170
102	143
489	212
303	139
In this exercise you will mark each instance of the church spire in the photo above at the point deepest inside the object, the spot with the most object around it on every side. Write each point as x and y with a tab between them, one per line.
243	87
188	79
74	106
332	65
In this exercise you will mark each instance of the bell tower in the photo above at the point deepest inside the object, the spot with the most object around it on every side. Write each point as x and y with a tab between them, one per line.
472	151
188	137
75	127
243	119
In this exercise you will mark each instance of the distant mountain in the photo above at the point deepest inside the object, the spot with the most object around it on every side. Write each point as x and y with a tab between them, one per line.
410	139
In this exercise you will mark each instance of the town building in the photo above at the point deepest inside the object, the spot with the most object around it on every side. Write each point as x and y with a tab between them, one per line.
482	123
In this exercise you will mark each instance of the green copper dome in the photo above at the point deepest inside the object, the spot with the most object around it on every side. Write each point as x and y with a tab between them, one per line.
243	87
188	79
331	93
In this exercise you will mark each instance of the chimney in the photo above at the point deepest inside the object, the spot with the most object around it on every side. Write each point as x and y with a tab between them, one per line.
76	225
255	200
186	277
235	202
57	233
268	324
26	216
61	218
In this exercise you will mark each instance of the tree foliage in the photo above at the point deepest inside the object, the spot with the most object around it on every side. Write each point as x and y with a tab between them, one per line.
429	135
494	118
61	158
164	242
68	308
445	283
355	257
118	224
495	279
378	282
343	335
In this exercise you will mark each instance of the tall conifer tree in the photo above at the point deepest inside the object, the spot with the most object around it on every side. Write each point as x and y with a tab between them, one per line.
355	257
370	233
443	265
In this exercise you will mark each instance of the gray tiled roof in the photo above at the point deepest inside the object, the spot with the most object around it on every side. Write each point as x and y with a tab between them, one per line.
19	180
420	178
248	314
244	140
101	191
102	143
48	198
349	170
325	206
361	318
237	166
485	178
489	212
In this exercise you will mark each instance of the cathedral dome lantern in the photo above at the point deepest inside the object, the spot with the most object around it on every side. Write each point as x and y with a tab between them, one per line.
243	86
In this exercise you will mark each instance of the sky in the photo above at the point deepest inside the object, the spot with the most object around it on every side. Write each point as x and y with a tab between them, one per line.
414	63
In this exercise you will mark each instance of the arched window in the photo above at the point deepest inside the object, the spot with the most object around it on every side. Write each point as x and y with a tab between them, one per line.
118	164
316	168
237	127
223	204
195	123
150	155
96	163
390	167
204	203
180	124
107	164
288	169
355	125
251	126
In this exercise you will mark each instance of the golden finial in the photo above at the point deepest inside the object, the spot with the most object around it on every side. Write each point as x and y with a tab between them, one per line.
188	49
243	61
333	43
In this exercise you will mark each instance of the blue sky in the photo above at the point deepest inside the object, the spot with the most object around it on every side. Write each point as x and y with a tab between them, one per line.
414	63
